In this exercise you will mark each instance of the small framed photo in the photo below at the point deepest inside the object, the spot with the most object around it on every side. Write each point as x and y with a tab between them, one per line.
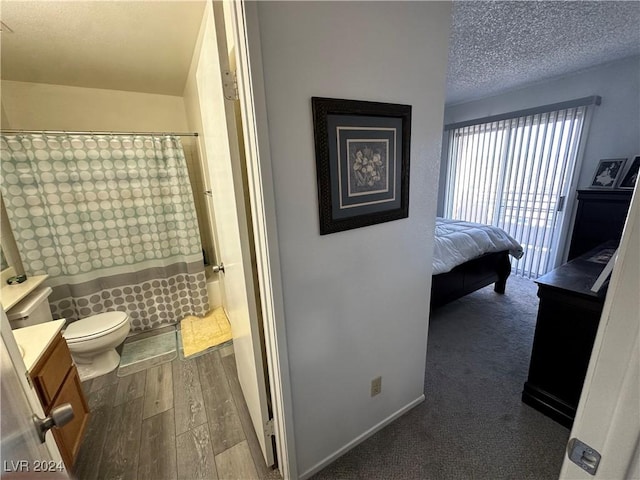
607	172
362	162
630	178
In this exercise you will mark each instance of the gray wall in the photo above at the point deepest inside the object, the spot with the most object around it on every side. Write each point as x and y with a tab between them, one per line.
615	127
356	302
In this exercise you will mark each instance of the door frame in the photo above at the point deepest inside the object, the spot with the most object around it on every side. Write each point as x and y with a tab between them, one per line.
252	97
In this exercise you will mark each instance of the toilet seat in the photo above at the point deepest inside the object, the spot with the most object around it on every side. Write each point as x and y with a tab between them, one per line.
95	326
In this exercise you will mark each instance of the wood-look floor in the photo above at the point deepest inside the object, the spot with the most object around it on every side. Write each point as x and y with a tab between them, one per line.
186	419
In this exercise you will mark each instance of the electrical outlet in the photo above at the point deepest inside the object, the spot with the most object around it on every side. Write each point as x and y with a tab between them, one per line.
376	386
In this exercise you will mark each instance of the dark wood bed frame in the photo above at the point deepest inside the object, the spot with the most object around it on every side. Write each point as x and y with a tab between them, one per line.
471	276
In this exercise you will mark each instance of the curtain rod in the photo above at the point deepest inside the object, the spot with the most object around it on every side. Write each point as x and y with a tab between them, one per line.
67	132
580	102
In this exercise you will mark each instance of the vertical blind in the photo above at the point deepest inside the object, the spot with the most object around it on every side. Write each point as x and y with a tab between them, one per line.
513	173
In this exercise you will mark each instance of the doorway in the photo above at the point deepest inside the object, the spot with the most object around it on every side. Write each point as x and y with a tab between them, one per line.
121	101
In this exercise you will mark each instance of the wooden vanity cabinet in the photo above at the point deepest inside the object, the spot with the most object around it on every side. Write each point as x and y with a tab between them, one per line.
56	381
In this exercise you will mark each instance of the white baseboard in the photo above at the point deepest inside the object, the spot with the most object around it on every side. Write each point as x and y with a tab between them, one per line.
356	441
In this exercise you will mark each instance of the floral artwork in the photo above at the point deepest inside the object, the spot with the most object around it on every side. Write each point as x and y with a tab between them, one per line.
368	166
362	162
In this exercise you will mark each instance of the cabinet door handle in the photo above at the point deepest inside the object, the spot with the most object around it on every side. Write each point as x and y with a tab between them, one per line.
59	417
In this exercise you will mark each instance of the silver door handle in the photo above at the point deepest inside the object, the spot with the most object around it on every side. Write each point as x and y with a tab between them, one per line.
218	268
59	417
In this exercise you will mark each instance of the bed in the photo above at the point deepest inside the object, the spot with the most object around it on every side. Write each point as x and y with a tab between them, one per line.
469	256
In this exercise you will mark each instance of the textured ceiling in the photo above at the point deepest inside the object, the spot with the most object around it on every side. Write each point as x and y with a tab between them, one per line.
503	45
147	45
143	46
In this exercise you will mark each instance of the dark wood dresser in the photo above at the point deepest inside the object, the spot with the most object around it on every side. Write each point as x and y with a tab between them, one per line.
568	318
600	217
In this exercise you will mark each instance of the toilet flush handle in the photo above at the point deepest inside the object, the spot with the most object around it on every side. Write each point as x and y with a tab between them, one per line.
59	417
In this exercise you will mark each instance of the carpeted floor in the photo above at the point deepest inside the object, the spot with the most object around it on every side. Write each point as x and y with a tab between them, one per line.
472	424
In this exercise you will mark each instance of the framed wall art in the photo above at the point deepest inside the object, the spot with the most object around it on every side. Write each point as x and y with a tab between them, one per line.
607	172
362	162
631	177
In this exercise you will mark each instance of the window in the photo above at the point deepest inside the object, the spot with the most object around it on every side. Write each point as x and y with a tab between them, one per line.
513	172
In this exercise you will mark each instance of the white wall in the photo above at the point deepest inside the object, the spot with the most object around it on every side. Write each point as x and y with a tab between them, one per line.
4	121
35	106
615	126
356	302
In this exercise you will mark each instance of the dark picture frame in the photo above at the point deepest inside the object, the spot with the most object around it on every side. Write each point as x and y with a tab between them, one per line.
631	177
362	162
608	172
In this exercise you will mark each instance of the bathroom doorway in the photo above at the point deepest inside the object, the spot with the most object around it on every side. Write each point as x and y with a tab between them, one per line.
54	105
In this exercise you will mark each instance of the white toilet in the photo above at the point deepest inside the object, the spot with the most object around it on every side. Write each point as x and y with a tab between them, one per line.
92	341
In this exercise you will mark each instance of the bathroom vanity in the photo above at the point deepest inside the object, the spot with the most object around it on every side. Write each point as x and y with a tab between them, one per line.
56	381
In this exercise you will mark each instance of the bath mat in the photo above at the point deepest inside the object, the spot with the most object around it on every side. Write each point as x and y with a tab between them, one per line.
201	334
138	355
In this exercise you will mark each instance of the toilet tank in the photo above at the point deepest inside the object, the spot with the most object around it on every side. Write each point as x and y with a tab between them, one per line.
31	310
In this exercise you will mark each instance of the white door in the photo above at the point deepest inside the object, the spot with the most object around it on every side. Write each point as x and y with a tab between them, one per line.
220	141
22	451
608	416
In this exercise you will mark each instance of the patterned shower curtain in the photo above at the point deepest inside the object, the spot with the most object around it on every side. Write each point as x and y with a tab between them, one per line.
111	220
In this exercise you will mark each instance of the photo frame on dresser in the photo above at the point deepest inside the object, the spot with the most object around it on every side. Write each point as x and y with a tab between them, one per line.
606	272
362	162
631	177
608	172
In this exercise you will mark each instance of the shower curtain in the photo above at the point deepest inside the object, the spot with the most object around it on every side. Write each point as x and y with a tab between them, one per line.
111	220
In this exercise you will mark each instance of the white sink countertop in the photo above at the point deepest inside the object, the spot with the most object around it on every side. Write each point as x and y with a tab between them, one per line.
35	339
